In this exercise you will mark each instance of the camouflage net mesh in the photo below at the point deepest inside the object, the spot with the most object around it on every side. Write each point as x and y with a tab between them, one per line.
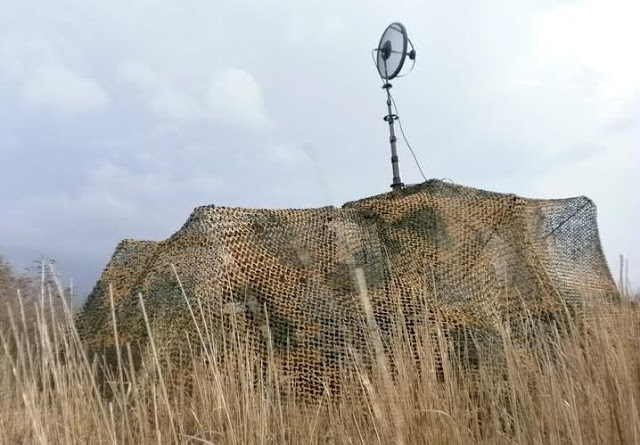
474	257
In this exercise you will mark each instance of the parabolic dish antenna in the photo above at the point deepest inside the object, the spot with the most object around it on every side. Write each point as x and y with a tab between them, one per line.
392	51
390	56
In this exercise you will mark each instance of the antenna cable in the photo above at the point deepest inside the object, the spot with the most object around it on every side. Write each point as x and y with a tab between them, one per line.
406	141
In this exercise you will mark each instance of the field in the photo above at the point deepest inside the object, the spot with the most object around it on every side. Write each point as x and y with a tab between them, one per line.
572	384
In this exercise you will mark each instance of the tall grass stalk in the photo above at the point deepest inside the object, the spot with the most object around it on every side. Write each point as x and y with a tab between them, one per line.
568	385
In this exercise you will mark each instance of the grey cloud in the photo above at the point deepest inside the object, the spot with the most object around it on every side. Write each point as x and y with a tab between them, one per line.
214	103
57	88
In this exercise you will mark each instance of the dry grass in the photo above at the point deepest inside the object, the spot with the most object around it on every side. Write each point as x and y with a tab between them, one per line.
567	387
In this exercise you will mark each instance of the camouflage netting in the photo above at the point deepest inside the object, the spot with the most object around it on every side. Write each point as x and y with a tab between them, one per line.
475	258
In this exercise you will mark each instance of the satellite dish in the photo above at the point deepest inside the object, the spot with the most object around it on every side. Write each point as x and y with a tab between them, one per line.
390	57
392	51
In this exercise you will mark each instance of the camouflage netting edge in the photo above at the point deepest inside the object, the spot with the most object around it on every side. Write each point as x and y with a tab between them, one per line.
475	258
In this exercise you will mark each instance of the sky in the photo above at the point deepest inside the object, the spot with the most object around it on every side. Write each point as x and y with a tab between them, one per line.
117	117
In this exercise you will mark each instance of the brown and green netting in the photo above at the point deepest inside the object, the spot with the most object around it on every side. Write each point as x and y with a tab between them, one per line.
281	282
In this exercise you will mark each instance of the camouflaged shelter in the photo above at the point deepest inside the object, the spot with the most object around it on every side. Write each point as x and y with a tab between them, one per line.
285	276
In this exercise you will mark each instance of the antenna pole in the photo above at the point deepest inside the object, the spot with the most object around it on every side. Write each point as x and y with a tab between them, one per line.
390	118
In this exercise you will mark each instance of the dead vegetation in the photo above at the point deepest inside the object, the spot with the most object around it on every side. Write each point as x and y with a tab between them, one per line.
569	386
